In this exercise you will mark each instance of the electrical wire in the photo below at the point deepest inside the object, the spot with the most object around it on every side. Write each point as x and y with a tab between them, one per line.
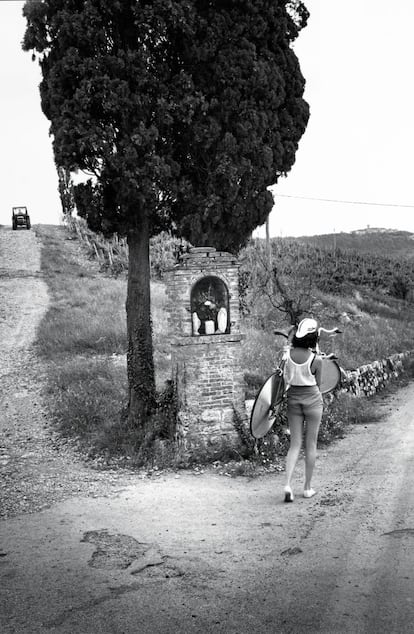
345	202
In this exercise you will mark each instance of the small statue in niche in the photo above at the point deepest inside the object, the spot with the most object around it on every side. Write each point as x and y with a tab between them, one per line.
209	327
209	302
222	320
209	324
196	323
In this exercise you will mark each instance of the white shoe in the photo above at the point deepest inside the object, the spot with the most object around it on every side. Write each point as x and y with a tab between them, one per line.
309	493
289	497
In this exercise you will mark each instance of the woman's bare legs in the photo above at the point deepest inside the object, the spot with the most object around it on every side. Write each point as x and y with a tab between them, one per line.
313	422
296	428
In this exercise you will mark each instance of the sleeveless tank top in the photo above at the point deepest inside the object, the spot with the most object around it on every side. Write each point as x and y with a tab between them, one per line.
298	373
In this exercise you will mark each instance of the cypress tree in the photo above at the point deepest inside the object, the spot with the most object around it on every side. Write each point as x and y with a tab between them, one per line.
182	112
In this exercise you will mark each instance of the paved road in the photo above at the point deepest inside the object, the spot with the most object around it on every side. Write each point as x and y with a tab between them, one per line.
188	552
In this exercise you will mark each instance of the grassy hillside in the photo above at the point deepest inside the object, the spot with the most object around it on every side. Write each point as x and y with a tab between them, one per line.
371	297
338	270
381	242
82	338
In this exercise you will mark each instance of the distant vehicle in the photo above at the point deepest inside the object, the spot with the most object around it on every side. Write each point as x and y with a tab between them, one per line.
20	218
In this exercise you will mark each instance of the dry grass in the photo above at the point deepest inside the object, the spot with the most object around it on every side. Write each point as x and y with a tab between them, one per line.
86	316
373	326
83	340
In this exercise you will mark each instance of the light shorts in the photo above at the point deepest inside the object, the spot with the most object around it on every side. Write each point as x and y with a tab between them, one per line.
304	400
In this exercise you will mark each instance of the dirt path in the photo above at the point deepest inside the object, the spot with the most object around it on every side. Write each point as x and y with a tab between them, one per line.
85	552
36	468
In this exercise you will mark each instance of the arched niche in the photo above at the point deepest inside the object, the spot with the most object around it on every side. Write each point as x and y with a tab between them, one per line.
210	313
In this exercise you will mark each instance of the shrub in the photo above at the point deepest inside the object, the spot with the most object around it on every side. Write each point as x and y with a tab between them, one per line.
83	338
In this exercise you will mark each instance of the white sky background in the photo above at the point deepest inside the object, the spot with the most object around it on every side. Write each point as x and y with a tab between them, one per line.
27	170
356	56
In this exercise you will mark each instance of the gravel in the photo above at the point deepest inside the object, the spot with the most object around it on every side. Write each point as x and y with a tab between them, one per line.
37	467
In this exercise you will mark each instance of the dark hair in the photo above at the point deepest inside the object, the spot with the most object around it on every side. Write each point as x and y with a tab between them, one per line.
308	341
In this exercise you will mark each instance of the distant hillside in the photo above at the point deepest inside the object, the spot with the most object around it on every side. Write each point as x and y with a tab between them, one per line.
383	242
335	263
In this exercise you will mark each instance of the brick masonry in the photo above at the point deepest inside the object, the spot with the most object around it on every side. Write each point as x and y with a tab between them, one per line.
206	369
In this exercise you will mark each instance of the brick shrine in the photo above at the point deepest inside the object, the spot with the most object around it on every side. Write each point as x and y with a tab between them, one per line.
204	322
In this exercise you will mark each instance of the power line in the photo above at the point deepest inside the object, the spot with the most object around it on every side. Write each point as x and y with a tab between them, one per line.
344	202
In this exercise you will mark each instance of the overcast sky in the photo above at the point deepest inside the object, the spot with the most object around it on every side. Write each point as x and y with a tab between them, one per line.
356	56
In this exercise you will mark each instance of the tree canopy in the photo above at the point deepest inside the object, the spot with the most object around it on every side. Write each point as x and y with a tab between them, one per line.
182	110
249	115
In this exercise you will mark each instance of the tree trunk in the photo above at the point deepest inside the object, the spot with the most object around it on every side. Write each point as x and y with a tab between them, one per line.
269	255
140	363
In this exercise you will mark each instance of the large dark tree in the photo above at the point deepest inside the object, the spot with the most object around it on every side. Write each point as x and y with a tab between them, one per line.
249	118
184	111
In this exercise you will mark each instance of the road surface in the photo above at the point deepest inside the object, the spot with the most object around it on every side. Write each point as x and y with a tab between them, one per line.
84	552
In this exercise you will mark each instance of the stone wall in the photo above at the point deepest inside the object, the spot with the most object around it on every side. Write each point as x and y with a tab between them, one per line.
371	378
368	379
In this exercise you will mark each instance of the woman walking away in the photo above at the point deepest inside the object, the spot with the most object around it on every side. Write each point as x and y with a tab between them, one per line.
302	375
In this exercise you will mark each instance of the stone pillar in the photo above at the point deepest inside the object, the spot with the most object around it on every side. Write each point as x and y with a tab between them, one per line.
204	321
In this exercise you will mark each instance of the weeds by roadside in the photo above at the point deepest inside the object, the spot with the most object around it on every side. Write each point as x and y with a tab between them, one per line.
83	341
86	396
87	312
